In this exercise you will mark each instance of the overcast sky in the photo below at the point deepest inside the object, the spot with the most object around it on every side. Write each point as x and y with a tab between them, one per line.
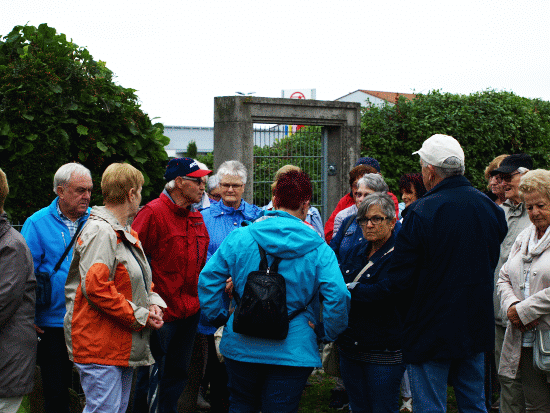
179	55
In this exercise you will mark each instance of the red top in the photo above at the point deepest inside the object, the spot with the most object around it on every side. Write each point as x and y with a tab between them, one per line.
175	240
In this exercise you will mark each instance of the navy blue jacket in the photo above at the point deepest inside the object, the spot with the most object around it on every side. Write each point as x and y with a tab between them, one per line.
444	259
372	325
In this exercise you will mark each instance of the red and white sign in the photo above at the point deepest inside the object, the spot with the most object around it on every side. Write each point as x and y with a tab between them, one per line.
299	93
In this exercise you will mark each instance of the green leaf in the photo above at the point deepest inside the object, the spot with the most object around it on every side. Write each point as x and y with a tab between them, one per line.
32	137
82	130
82	156
27	148
71	106
140	160
70	120
5	129
64	134
133	130
27	116
101	146
56	89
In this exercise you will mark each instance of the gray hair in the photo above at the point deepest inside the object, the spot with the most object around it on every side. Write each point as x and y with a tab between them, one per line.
383	200
452	166
232	168
374	182
213	183
170	185
64	174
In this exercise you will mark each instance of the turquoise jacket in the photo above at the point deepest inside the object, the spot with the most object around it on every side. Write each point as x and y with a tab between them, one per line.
47	237
309	267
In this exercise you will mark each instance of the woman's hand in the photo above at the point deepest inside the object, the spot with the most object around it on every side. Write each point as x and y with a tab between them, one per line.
229	287
516	321
157	310
154	321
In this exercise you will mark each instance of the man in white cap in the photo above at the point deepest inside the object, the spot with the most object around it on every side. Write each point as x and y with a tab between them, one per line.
443	263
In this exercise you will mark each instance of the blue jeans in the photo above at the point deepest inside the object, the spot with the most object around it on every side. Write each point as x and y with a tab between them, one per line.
268	388
172	346
429	384
372	388
107	388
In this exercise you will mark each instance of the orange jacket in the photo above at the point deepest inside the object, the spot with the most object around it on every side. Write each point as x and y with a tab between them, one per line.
108	294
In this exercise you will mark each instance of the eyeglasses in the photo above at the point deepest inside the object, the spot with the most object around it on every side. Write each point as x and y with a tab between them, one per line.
507	178
375	220
235	186
198	181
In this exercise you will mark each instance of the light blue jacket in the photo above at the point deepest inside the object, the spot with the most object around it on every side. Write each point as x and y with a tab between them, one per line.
309	267
47	237
220	220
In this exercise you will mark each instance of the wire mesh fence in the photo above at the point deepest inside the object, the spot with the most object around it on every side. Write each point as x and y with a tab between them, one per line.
276	146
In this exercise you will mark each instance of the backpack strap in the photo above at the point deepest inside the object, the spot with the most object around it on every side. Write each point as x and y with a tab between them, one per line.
274	267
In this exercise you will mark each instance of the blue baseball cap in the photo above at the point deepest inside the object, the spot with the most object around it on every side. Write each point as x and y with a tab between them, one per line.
369	162
184	167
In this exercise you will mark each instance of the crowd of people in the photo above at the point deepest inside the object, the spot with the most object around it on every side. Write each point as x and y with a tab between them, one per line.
199	289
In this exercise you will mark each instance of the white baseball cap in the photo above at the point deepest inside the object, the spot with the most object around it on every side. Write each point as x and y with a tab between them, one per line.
437	148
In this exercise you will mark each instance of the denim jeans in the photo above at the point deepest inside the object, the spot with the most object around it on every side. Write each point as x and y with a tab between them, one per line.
172	346
429	384
107	388
372	388
268	388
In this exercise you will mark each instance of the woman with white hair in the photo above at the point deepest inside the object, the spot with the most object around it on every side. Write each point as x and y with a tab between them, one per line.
221	218
523	288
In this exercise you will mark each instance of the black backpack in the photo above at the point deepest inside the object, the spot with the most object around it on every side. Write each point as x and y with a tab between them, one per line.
261	311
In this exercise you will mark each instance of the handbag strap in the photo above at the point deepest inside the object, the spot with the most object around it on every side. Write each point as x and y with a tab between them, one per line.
370	264
130	247
58	265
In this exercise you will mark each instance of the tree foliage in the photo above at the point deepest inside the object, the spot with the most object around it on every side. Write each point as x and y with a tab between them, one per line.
486	124
303	149
58	105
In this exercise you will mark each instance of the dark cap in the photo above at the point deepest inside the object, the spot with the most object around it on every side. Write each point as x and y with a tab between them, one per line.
184	167
512	163
369	162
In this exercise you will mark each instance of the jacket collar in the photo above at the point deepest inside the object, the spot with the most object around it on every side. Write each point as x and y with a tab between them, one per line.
175	208
513	208
219	208
101	213
380	253
449	183
52	208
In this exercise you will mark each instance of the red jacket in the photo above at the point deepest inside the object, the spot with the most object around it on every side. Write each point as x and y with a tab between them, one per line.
345	202
175	240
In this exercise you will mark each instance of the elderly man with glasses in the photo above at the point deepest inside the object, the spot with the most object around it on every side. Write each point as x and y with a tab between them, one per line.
175	241
508	175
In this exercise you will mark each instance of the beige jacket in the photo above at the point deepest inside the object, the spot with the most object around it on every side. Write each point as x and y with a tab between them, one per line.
524	259
108	294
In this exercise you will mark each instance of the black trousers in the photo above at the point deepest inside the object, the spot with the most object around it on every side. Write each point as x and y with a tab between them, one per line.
55	369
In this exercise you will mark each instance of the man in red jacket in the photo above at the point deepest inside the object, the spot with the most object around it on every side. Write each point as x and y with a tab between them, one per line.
175	241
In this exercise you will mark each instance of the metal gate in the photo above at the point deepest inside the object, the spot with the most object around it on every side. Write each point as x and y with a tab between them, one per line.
278	145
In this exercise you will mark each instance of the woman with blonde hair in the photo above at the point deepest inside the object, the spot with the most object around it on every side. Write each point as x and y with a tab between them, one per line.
111	308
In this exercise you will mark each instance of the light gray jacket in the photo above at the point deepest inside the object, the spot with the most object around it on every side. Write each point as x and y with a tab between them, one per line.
517	220
17	297
511	285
